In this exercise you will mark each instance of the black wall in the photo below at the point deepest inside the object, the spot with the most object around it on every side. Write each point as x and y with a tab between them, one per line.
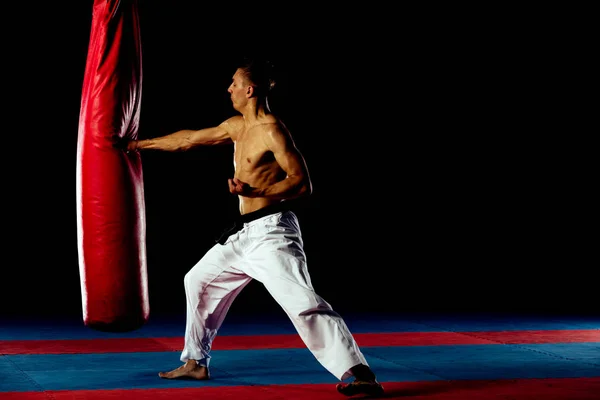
429	195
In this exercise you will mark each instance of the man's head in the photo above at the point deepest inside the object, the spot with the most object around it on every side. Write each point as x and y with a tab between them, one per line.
259	74
253	79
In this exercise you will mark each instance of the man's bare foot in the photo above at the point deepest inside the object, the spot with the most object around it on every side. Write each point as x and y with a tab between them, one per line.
189	370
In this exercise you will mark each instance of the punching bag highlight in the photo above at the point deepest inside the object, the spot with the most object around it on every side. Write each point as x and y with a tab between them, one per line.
111	219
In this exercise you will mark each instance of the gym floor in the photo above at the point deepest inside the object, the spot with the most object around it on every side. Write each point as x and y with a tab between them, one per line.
415	355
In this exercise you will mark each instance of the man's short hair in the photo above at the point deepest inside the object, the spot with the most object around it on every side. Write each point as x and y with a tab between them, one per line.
260	72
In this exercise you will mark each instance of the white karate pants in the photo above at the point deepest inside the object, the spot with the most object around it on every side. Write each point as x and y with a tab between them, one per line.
270	250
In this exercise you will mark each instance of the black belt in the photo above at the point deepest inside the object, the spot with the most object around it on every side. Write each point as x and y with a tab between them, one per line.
239	222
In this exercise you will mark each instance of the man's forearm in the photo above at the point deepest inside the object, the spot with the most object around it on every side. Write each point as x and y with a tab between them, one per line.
174	142
287	189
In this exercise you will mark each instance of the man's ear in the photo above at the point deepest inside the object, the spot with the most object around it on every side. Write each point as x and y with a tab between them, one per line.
250	91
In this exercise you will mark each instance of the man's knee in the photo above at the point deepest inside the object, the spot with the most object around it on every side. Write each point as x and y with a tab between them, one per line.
193	279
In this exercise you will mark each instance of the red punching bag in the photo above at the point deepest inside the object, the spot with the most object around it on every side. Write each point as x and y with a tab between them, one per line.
111	217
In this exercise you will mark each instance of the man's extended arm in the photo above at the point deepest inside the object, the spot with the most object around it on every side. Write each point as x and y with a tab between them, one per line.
185	139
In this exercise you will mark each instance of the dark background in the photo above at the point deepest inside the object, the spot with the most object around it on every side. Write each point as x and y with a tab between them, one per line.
431	190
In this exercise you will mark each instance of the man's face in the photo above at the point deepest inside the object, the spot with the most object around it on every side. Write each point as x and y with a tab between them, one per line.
239	90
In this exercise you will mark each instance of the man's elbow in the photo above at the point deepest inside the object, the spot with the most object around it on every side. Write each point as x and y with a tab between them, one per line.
184	145
306	189
301	186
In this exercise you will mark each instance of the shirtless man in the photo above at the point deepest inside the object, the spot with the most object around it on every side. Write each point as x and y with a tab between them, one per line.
265	243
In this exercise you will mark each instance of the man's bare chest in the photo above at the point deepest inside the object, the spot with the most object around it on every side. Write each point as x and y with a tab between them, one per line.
250	153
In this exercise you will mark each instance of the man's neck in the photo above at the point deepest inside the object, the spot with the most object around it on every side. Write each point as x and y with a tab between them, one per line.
254	113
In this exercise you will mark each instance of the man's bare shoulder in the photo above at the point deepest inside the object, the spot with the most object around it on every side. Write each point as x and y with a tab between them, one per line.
273	126
276	134
233	126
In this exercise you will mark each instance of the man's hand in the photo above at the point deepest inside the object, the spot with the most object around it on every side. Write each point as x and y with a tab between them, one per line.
240	188
126	144
132	145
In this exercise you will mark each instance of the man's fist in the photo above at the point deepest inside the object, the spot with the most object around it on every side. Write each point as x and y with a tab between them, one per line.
126	144
238	187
